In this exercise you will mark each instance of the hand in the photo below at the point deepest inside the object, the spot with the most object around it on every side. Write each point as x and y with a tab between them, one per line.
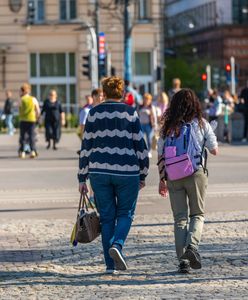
83	187
142	184
163	189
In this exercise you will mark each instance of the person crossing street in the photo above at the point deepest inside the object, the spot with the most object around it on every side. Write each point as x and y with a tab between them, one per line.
29	112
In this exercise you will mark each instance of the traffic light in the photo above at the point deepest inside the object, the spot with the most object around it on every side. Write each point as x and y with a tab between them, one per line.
158	73
31	12
102	67
204	77
228	68
113	71
86	66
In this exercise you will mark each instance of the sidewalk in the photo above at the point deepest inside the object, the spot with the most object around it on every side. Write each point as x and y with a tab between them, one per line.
38	204
37	262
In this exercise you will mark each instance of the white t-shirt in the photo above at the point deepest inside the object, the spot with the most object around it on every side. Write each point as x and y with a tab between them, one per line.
84	114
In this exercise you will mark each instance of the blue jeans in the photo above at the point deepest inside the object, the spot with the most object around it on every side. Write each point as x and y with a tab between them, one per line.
9	124
148	131
116	198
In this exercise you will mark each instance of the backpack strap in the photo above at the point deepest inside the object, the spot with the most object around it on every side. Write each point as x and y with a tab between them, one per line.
205	153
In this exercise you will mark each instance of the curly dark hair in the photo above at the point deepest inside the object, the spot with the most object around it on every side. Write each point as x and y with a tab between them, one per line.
184	107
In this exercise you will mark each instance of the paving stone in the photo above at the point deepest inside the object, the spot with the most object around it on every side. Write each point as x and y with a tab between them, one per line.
47	267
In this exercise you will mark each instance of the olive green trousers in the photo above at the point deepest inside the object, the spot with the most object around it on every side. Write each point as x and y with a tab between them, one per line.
187	198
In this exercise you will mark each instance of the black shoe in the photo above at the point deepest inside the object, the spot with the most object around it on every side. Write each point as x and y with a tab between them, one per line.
116	255
48	145
184	267
193	256
54	145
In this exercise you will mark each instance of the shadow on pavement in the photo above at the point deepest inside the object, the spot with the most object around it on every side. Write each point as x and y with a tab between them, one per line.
37	209
96	279
206	222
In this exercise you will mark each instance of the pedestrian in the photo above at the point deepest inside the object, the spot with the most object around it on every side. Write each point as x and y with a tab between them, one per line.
29	112
215	105
161	105
132	90
54	118
115	159
244	102
83	114
176	87
148	120
97	96
8	112
129	99
228	108
185	133
93	100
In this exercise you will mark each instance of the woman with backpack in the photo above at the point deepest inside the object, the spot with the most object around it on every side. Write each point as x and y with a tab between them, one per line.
184	138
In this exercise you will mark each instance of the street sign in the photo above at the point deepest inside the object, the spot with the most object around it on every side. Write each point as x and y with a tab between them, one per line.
102	55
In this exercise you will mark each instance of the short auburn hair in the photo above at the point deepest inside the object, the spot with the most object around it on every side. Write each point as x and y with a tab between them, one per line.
25	88
113	87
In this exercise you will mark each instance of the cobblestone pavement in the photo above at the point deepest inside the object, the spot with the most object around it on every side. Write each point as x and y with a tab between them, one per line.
37	262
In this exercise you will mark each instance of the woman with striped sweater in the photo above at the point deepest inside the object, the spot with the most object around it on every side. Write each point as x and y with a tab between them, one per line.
114	157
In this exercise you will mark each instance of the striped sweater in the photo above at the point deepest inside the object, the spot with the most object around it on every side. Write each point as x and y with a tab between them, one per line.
113	143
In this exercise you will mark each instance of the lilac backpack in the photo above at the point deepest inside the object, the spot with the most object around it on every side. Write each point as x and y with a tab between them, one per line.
183	154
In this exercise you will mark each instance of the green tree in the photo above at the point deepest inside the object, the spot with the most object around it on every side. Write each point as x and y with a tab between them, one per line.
189	73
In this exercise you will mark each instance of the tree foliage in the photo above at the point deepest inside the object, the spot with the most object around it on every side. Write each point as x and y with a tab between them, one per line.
189	73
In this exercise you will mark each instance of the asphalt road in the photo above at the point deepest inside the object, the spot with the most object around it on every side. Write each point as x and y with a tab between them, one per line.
47	186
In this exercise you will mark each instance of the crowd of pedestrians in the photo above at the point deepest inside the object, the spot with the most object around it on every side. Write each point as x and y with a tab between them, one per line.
224	105
117	129
149	108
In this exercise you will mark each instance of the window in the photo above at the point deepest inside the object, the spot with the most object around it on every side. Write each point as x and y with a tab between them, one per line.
38	10
54	71
52	65
240	11
143	10
142	63
68	10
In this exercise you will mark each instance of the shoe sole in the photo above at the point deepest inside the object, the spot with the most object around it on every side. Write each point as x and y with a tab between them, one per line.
111	272
119	261
194	263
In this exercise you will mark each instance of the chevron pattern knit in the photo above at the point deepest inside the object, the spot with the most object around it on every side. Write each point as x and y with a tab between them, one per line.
113	143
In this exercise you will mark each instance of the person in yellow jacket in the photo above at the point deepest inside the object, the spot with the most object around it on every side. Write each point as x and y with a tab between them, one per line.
29	112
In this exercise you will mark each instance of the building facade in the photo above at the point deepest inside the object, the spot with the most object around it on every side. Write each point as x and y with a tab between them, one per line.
45	45
214	29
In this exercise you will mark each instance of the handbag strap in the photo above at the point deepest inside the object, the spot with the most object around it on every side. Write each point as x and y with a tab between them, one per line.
83	201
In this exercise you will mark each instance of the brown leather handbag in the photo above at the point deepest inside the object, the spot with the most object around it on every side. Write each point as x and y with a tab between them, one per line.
88	222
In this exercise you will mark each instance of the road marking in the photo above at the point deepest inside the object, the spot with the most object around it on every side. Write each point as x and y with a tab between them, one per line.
71	195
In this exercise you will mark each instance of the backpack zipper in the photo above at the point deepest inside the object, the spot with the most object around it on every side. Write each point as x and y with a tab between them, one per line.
176	162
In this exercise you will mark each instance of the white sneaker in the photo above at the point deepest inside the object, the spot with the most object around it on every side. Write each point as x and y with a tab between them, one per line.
111	271
33	154
150	154
22	155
